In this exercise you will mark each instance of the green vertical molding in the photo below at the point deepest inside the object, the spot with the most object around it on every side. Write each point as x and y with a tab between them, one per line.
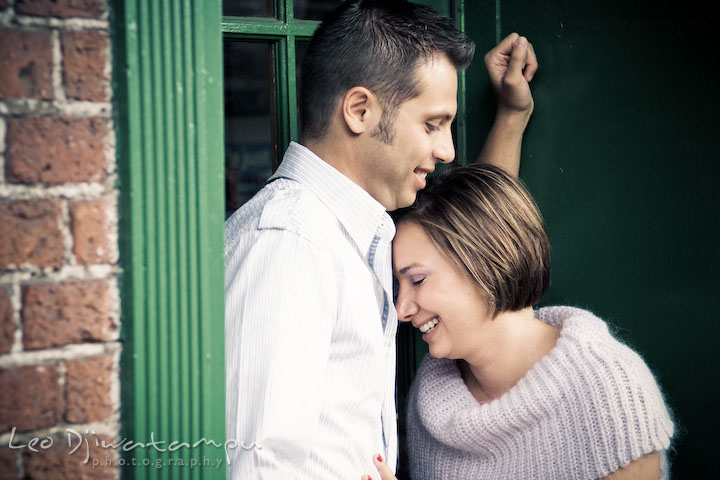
167	57
461	119
286	90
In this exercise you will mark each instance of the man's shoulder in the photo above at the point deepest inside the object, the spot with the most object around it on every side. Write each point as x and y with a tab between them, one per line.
282	205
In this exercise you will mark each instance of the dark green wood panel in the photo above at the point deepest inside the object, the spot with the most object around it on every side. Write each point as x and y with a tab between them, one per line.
621	155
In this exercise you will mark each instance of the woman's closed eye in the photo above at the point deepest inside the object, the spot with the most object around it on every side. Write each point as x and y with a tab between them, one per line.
417	280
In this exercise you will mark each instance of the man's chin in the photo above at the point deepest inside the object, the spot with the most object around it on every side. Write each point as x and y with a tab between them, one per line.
405	202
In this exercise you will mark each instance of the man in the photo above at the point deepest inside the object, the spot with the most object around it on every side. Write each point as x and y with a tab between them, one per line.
310	326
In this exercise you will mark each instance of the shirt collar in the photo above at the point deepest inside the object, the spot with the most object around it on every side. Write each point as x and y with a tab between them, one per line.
362	216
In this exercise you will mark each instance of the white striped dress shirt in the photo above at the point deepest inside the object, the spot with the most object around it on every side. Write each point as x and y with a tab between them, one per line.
309	327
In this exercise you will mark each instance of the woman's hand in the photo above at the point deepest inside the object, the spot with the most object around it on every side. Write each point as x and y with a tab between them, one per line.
511	66
383	469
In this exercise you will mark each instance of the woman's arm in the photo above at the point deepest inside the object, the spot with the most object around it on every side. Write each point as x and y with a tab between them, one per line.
644	468
511	66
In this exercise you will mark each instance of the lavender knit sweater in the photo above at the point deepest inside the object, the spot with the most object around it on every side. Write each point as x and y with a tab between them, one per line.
587	408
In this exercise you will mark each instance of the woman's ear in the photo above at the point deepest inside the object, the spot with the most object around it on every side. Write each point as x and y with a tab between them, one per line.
361	110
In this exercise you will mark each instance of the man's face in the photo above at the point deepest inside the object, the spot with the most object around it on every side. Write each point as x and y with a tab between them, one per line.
418	138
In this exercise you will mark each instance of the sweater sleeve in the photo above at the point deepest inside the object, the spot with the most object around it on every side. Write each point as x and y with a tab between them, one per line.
618	401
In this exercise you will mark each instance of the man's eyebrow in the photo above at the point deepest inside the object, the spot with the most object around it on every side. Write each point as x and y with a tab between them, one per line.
405	269
441	116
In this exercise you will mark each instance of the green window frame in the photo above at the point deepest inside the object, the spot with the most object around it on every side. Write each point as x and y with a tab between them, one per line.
281	32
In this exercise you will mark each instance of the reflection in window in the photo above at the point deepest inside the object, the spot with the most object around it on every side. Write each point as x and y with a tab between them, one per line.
248	120
314	9
248	8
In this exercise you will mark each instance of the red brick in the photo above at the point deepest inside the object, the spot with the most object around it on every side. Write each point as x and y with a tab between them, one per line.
87	390
56	150
30	398
69	312
25	65
91	231
61	8
30	234
84	58
7	325
92	458
8	464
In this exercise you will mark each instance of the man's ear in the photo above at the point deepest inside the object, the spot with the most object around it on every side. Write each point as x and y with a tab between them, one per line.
361	110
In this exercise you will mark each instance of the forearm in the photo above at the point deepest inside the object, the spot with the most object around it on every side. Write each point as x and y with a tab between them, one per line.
643	468
503	145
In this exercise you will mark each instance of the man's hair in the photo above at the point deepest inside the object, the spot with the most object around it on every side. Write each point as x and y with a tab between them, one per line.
488	225
377	44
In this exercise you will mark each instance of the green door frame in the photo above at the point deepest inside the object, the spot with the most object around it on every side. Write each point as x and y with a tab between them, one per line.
168	104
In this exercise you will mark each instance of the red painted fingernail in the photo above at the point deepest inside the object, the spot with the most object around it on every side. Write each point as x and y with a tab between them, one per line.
379	458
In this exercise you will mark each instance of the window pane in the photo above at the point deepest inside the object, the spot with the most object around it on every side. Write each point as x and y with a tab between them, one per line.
248	8
314	9
248	120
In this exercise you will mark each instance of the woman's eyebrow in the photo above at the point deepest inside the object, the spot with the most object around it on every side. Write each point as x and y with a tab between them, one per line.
403	270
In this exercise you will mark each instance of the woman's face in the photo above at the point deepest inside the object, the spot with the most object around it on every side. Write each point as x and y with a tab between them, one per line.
439	300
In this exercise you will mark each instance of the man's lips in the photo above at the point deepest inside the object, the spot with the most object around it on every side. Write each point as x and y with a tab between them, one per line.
421	175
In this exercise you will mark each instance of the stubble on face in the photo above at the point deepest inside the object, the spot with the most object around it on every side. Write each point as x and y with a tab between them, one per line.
385	129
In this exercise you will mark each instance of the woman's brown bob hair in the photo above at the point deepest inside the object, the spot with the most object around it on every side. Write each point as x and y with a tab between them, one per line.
490	228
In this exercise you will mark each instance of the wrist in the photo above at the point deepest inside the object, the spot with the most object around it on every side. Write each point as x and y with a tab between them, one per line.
510	119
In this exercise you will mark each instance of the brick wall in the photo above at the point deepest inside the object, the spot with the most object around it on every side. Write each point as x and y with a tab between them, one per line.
59	313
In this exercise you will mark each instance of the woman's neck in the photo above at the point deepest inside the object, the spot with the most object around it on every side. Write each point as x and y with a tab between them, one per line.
508	350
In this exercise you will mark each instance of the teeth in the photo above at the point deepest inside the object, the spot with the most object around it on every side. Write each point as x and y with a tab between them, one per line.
424	174
429	325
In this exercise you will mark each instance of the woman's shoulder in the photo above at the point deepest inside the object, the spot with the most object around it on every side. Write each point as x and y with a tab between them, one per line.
587	338
605	370
583	332
562	316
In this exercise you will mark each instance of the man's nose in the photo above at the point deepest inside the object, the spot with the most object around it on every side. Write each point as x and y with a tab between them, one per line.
444	150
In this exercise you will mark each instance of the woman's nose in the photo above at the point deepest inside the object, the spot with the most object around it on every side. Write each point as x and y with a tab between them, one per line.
406	307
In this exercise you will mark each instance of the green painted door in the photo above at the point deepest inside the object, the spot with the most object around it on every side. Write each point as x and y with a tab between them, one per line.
621	155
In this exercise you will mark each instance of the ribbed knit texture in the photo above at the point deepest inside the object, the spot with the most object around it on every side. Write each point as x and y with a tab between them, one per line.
587	408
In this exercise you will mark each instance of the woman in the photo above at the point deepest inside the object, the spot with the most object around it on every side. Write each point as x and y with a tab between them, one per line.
509	392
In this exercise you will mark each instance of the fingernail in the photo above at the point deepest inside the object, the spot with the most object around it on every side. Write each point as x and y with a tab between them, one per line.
521	42
379	458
